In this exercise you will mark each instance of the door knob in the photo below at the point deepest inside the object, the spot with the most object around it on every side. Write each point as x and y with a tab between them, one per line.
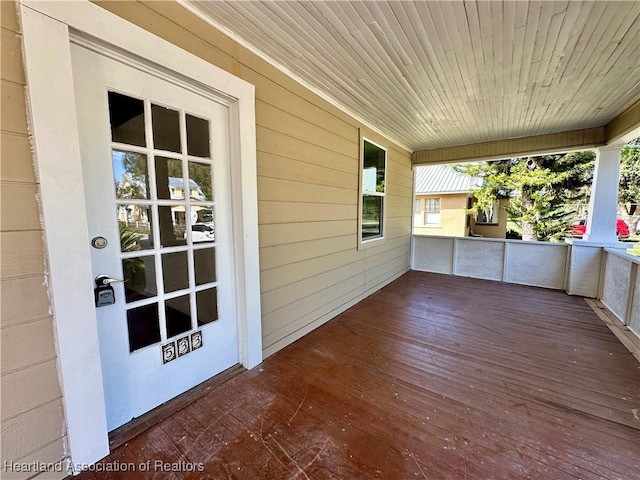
104	280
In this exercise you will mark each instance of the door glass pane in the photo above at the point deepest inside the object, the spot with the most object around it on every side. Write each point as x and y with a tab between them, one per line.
169	181
205	265
130	175
143	326
202	228
207	306
178	312
200	182
172	225
197	136
166	128
175	271
126	116
139	278
135	227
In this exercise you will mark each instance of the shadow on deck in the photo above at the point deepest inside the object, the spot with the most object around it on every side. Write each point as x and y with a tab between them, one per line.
435	377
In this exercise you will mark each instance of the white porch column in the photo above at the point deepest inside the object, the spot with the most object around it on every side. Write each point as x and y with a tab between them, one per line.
603	205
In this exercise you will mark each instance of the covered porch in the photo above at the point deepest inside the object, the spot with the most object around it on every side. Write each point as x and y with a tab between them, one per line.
433	376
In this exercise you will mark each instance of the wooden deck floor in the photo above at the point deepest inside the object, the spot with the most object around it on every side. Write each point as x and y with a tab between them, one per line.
433	377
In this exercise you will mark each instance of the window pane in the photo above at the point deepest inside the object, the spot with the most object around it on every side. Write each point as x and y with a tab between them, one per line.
207	305
135	227
139	278
172	225
175	271
169	181
126	116
205	265
432	218
178	313
371	216
166	128
202	228
373	168
200	182
130	175
197	136
143	326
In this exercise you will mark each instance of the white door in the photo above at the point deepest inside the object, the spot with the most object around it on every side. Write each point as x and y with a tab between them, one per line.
155	155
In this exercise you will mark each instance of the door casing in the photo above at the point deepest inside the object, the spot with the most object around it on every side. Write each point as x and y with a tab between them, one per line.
48	29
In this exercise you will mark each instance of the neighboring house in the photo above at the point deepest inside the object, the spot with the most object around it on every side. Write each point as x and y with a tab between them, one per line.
442	199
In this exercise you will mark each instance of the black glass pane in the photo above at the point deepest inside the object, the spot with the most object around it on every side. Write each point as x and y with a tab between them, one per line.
175	271
197	136
172	225
178	312
130	175
207	306
166	128
140	278
200	182
205	265
126	116
371	216
169	181
143	326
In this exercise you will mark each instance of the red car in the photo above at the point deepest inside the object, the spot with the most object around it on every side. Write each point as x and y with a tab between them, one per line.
579	227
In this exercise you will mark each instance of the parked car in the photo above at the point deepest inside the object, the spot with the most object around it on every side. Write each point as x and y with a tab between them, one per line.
201	232
579	227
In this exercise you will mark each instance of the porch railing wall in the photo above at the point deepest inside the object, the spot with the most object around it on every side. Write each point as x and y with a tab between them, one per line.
620	287
538	264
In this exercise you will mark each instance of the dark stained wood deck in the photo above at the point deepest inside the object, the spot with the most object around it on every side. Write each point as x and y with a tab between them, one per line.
433	377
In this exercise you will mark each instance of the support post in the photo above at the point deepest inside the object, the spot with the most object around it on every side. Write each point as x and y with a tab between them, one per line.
603	205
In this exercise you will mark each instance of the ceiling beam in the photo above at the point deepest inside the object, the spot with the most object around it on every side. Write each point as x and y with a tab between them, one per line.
515	147
624	127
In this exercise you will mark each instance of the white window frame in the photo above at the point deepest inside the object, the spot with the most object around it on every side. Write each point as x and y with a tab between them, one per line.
439	212
47	29
362	192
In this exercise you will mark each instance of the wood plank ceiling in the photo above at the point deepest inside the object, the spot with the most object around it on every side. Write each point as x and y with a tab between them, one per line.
444	73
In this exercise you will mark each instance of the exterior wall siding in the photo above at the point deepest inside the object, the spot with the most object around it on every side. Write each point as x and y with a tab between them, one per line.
308	176
32	416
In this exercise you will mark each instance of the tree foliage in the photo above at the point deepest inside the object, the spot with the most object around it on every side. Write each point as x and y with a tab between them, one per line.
541	190
629	191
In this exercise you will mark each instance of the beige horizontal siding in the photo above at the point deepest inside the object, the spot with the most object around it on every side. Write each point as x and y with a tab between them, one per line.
32	422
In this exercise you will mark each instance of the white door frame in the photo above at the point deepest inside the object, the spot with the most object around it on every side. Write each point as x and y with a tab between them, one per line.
48	28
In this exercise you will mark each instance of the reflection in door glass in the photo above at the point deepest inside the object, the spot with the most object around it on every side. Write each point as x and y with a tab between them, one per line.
130	175
178	313
197	136
143	326
200	180
172	224
169	181
126	116
139	278
135	227
166	128
207	306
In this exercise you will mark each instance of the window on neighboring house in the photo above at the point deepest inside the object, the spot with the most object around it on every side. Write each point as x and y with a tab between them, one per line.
374	161
489	216
432	211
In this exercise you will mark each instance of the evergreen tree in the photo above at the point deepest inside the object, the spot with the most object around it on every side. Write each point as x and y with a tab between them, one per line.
629	192
542	190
